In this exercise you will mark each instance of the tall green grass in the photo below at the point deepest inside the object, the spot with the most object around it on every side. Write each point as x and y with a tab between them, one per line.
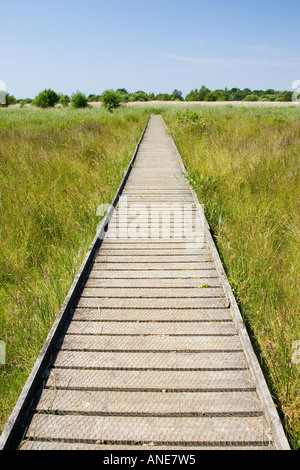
244	165
56	167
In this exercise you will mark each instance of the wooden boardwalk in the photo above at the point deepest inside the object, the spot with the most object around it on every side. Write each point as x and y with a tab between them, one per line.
155	355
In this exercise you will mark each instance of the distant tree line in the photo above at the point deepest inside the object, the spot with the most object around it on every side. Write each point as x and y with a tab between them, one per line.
113	98
235	94
203	94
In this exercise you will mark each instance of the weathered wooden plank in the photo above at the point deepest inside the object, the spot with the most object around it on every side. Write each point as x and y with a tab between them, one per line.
151	360
150	343
151	380
142	258
154	274
250	430
166	266
151	328
202	283
150	315
149	403
131	302
153	292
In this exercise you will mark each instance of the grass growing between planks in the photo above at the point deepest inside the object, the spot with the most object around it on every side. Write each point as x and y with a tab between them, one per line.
244	165
56	167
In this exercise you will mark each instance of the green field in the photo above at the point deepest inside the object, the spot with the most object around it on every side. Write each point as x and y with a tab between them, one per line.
244	165
58	165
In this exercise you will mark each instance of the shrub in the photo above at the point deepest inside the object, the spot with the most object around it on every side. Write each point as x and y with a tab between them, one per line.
24	101
123	95
139	96
123	91
251	98
64	100
269	96
7	99
163	97
10	99
188	116
46	99
79	100
284	96
110	100
94	98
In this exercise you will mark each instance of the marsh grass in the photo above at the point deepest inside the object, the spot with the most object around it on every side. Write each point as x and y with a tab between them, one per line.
56	167
244	166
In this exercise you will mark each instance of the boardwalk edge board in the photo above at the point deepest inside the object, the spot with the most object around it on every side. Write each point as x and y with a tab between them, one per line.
15	427
272	416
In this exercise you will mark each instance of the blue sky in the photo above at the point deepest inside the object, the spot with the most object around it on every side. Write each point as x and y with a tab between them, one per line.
155	46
